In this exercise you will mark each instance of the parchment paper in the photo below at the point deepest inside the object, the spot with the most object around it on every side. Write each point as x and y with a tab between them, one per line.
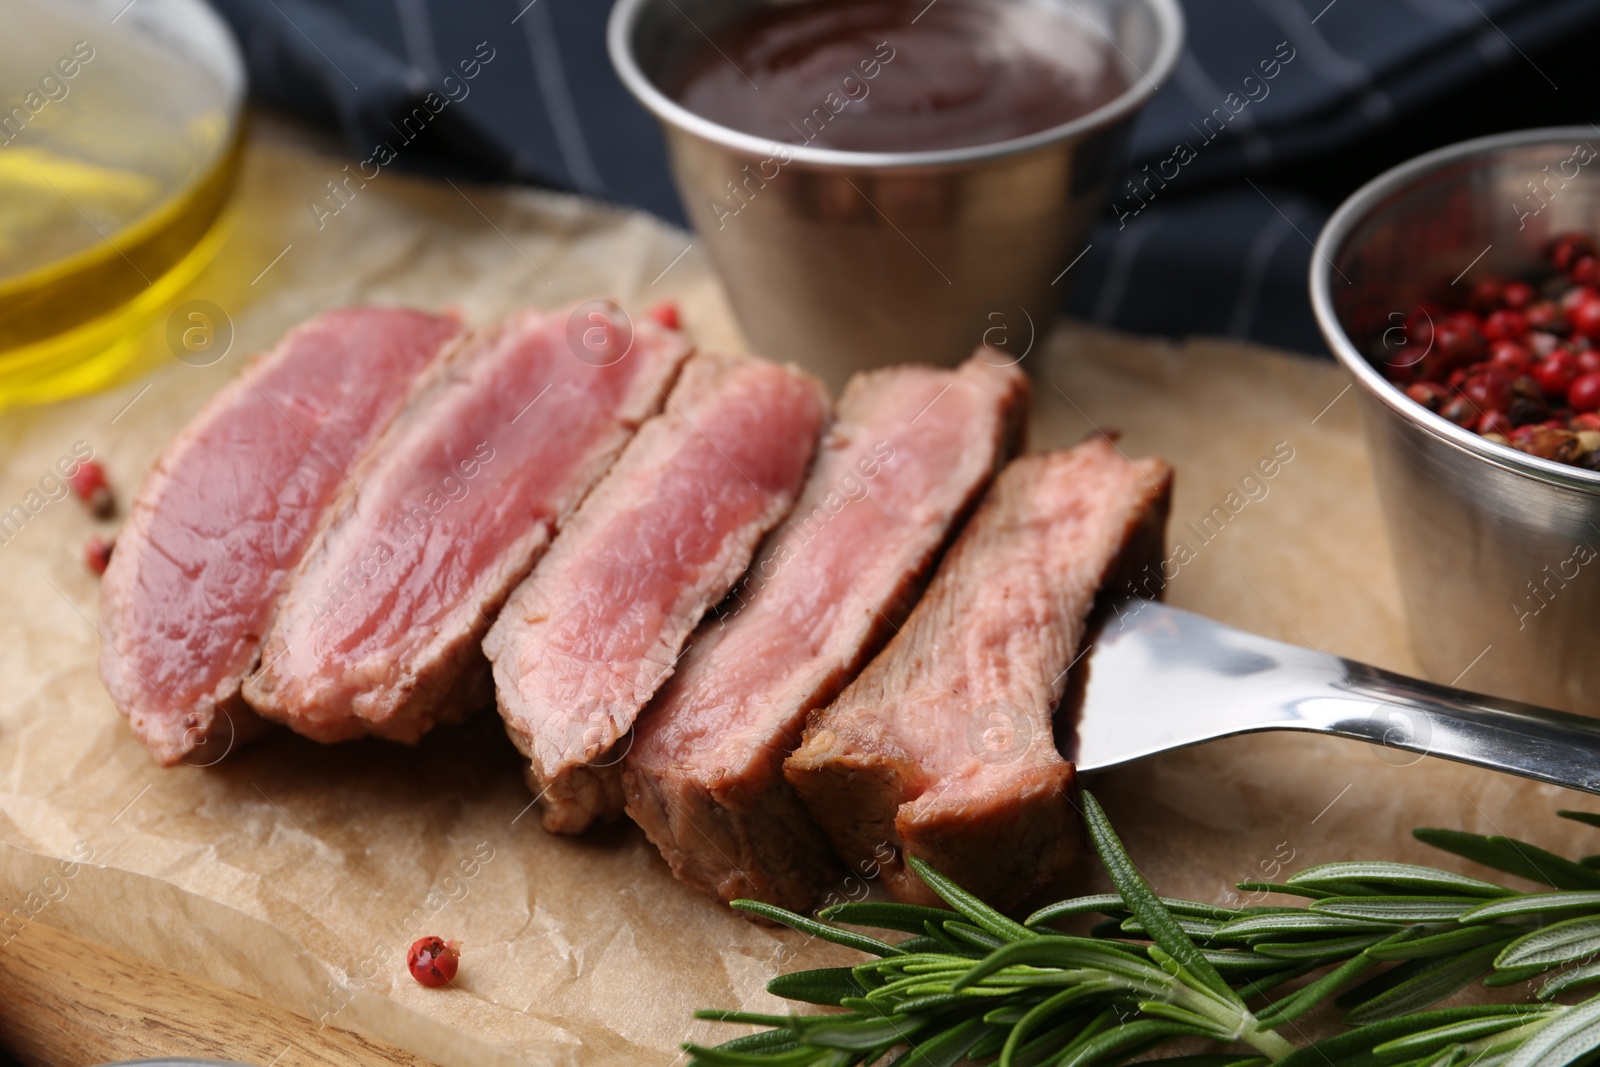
299	873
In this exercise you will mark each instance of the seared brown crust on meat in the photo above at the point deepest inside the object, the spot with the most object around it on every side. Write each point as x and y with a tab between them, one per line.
744	838
912	450
943	747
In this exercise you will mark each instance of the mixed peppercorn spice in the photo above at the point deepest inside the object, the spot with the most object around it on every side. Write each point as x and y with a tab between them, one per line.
1517	361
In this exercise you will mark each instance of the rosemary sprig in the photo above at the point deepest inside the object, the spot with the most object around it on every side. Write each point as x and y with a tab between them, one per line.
971	984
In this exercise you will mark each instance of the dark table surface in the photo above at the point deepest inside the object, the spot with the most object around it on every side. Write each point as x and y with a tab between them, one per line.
1221	249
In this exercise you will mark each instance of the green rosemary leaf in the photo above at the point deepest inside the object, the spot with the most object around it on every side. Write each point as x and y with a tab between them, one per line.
1144	903
944	1049
825	986
761	1041
936	936
1195	909
1559	943
1238	964
973	984
883	915
1350	1046
748	1017
1513	857
788	918
1055	950
869	976
855	1034
1381	982
1310	995
936	1002
1589	818
1123	1037
1048	1046
972	935
1006	1015
1111	904
1429	1042
1533	904
721	1056
1379	878
1272	909
1307	997
970	906
1438	980
1282	888
1324	949
1273	979
1098	904
1588	974
1157	1009
920	968
1204	930
988	1044
1407	909
1564	1039
1508	976
1308	923
1036	1017
1449	941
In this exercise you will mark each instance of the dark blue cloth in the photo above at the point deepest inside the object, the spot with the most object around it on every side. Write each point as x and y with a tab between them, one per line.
1214	240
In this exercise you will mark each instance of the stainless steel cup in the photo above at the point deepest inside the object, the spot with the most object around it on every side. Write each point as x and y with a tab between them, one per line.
1498	551
840	260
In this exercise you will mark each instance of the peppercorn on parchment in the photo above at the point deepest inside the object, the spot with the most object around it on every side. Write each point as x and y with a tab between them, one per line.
300	873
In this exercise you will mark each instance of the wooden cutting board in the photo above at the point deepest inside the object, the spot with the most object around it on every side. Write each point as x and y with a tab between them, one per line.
65	1002
266	901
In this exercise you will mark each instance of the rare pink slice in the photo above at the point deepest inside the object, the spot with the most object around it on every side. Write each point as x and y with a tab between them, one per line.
600	623
228	511
911	451
381	630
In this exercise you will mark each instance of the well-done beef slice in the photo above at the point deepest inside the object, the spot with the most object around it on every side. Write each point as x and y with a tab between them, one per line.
911	450
227	512
943	747
380	632
587	638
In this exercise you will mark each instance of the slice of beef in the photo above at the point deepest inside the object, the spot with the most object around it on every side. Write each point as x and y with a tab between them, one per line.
943	747
380	632
912	449
586	640
227	512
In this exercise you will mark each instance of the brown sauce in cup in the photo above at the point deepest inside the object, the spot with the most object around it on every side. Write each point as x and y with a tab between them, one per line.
893	76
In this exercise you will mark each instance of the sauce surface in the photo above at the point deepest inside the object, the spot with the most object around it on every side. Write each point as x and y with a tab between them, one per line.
899	75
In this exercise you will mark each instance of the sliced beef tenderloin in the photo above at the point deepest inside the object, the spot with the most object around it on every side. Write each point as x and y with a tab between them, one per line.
911	450
588	637
380	632
227	513
943	747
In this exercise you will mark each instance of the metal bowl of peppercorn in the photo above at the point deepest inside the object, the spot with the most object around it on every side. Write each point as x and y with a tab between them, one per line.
1461	290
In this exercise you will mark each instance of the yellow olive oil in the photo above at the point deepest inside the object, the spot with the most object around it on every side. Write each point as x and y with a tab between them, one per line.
119	144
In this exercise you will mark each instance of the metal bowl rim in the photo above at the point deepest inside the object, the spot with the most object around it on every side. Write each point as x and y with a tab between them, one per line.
1355	210
1170	32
